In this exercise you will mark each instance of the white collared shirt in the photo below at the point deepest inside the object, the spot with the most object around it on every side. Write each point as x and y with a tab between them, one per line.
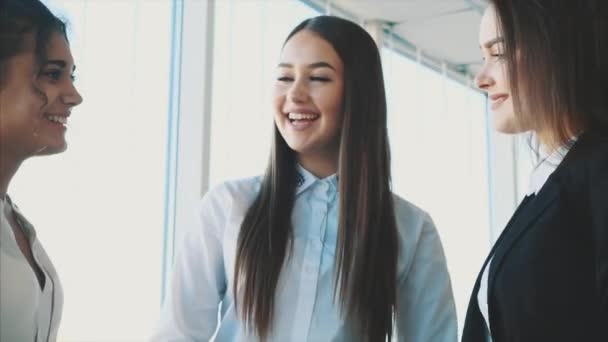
544	168
27	312
305	309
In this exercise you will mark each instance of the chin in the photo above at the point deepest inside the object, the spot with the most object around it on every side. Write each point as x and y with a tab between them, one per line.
505	129
52	149
509	127
298	148
505	123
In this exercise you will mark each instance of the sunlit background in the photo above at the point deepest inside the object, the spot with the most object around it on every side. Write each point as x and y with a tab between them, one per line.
109	208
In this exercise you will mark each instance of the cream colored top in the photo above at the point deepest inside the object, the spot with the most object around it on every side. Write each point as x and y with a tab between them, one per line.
27	313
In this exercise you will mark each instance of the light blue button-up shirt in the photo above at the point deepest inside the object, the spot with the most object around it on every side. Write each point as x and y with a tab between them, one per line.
305	309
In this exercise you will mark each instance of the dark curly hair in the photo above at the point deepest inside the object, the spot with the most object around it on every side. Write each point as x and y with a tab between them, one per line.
20	19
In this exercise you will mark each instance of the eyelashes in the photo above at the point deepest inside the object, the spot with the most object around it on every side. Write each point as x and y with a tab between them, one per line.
56	74
312	78
497	56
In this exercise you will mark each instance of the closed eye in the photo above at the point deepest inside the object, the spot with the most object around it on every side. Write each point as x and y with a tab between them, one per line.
284	79
320	79
494	55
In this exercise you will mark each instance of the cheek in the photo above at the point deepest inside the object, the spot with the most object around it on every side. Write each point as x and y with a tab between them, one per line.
278	102
336	124
22	104
333	107
332	124
278	98
21	122
500	75
49	93
329	100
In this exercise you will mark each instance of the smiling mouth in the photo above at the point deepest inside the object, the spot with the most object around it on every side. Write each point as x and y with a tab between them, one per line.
302	117
497	101
56	119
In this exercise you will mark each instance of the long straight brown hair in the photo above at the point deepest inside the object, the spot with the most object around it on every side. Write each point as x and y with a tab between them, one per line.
556	56
367	247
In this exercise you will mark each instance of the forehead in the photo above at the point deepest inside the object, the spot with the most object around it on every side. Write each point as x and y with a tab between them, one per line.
488	28
24	64
59	49
307	47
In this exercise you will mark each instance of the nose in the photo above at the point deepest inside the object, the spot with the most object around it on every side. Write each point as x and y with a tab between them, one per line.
298	92
71	96
483	80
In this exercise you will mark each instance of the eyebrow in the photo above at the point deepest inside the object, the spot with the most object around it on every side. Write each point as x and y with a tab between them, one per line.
310	66
492	42
59	63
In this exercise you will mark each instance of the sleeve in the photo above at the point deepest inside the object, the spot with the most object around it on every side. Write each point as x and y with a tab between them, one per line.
599	220
425	308
198	282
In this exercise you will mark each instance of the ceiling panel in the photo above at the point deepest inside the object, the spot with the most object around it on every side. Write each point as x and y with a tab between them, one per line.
398	11
443	29
452	38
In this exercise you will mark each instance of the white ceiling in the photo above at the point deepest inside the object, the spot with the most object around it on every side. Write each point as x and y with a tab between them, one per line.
444	29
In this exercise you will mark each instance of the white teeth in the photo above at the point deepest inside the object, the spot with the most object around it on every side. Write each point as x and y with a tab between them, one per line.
58	119
301	116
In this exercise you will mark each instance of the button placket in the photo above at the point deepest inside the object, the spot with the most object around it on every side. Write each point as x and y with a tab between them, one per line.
310	266
331	196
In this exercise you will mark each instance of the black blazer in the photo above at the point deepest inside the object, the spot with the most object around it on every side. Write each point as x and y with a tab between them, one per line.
548	278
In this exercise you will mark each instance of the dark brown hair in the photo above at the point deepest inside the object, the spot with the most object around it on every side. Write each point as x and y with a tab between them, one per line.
556	57
367	247
18	20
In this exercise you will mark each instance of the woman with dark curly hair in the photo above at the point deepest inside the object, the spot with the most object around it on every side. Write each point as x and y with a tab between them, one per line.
37	95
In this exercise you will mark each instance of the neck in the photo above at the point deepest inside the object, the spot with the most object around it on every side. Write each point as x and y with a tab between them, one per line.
8	168
320	164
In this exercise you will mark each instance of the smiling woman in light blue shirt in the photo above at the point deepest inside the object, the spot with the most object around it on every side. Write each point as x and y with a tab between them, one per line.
317	249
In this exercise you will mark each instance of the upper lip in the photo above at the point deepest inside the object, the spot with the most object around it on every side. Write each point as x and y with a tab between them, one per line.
301	110
495	97
64	114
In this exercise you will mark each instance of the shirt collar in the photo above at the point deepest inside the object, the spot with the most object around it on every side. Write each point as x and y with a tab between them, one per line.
547	165
306	180
7	206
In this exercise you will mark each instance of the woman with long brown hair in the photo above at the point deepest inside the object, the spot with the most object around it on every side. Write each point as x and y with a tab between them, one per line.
545	71
319	248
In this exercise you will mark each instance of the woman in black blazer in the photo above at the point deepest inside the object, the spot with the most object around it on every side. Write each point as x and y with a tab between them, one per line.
545	72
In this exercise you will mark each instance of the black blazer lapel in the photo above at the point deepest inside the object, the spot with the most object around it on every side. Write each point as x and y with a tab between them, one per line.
474	328
520	222
497	243
523	218
474	325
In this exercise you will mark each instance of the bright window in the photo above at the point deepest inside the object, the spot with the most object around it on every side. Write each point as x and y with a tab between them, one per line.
437	130
248	40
